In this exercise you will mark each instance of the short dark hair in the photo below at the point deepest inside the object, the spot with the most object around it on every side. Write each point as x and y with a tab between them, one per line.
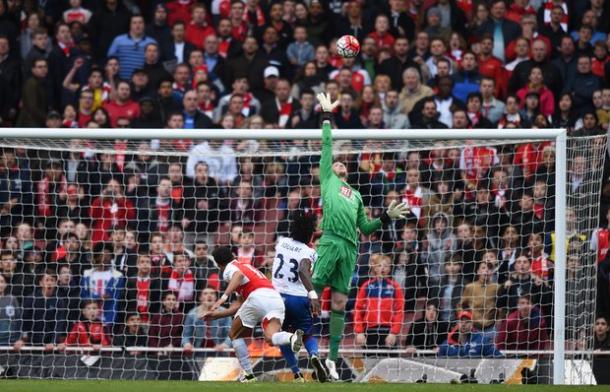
223	255
181	254
101	247
302	226
7	252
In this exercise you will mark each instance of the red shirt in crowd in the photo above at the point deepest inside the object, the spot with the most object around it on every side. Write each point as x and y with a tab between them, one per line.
380	303
87	334
529	157
494	69
383	41
516	333
196	34
179	10
129	109
108	214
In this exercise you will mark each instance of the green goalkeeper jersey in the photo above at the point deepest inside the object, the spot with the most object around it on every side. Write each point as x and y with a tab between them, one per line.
343	210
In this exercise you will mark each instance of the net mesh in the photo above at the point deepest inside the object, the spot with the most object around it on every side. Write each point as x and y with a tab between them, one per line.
97	233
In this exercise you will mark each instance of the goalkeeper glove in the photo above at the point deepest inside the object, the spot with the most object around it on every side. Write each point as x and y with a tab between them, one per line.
326	103
327	106
395	211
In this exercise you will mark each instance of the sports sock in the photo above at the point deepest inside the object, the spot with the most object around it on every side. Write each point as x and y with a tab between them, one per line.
281	338
242	354
290	358
311	345
337	324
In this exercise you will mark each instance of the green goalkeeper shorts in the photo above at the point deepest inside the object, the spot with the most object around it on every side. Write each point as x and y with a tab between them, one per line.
335	265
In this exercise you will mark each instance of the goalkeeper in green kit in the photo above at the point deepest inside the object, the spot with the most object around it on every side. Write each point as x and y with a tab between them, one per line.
343	214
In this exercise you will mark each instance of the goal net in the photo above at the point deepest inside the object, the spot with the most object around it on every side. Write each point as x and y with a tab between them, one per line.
105	266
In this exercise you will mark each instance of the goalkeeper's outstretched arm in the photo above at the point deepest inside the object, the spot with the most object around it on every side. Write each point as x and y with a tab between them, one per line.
326	160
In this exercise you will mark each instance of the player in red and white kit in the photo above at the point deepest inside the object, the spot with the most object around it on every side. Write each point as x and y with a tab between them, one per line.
258	302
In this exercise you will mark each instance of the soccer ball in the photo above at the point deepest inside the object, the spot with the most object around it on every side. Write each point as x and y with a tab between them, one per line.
348	46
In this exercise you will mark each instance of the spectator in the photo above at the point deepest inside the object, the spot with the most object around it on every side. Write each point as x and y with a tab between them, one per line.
536	84
166	326
35	96
182	281
110	20
552	75
278	111
427	333
584	85
474	102
413	90
110	210
452	285
348	117
160	31
68	289
179	49
158	256
206	271
89	331
200	333
425	114
10	316
10	81
393	118
601	342
300	51
467	80
142	292
103	282
158	212
479	300
132	334
44	315
124	258
215	64
524	328
122	106
600	240
219	157
492	108
502	29
464	341
522	53
129	48
378	312
441	242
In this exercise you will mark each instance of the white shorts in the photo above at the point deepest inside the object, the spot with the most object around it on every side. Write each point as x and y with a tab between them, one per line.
262	304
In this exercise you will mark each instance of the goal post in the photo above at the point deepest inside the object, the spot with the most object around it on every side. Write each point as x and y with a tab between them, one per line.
58	140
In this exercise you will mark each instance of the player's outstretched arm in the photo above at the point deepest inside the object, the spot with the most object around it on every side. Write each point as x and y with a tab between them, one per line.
305	276
231	287
224	312
394	211
326	160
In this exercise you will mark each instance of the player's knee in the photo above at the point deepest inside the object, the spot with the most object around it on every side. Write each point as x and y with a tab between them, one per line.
338	302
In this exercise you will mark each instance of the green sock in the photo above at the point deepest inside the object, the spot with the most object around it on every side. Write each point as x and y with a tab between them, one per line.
337	324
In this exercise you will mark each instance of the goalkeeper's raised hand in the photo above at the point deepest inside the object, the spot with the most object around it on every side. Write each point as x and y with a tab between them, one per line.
395	211
326	103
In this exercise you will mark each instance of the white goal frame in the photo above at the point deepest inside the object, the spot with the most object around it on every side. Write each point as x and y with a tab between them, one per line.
559	136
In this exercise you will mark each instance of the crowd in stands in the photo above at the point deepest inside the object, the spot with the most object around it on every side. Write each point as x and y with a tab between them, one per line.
102	248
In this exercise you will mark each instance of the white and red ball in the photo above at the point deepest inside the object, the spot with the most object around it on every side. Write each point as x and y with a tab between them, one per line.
348	46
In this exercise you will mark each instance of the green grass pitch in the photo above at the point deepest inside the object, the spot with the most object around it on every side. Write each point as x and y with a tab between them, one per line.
186	386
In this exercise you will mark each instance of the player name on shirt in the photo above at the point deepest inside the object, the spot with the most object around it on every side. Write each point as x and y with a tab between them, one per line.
288	256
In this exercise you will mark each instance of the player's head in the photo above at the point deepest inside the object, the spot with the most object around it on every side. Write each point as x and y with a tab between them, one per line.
302	226
223	256
340	170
